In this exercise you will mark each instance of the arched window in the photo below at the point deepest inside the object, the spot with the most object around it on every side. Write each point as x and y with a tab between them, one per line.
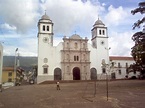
43	27
103	70
100	32
77	58
74	58
76	45
103	32
47	28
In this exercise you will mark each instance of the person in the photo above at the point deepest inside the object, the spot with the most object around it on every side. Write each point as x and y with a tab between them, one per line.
57	84
0	87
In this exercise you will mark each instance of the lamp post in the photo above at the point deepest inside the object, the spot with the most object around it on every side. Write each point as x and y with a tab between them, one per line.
15	65
106	72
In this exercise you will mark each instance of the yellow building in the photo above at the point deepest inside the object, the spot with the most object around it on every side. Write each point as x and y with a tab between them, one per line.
1	62
8	74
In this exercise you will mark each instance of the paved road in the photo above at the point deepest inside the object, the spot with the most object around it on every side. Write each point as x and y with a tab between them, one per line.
122	94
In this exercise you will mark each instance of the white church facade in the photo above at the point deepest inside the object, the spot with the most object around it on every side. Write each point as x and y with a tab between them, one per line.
74	58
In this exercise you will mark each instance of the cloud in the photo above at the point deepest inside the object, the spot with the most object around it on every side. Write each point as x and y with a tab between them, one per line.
7	27
26	46
115	16
121	43
71	15
20	14
68	16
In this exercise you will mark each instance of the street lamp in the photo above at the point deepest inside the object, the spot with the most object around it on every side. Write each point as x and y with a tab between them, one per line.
106	72
15	66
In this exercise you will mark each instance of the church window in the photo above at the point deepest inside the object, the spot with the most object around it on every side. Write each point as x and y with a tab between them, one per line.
45	70
99	32
74	58
103	70
77	58
103	32
47	28
43	27
76	45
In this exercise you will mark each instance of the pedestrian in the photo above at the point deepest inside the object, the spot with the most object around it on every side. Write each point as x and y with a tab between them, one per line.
57	84
0	87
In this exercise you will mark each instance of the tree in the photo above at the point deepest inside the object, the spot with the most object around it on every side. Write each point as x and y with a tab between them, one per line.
138	50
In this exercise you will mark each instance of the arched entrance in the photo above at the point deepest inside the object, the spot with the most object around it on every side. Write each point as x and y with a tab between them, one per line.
76	73
93	74
57	74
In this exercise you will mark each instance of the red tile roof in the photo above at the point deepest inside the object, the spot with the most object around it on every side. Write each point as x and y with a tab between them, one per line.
8	68
120	58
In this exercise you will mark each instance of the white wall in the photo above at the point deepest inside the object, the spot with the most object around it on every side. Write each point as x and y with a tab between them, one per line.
53	54
123	68
96	60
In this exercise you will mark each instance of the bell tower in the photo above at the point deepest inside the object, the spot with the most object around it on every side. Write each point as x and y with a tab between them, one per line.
45	30
45	46
99	34
100	40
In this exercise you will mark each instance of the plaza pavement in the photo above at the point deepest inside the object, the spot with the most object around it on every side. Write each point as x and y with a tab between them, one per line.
122	94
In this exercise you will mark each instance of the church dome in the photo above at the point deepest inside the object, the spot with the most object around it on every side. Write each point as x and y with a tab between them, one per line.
99	23
75	36
45	17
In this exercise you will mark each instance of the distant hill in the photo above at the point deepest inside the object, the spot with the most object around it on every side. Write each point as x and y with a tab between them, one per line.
25	62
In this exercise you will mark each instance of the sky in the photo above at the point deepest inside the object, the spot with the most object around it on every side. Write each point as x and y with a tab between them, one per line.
19	19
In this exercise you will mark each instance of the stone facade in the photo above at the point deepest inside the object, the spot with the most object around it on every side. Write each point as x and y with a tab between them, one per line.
75	56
